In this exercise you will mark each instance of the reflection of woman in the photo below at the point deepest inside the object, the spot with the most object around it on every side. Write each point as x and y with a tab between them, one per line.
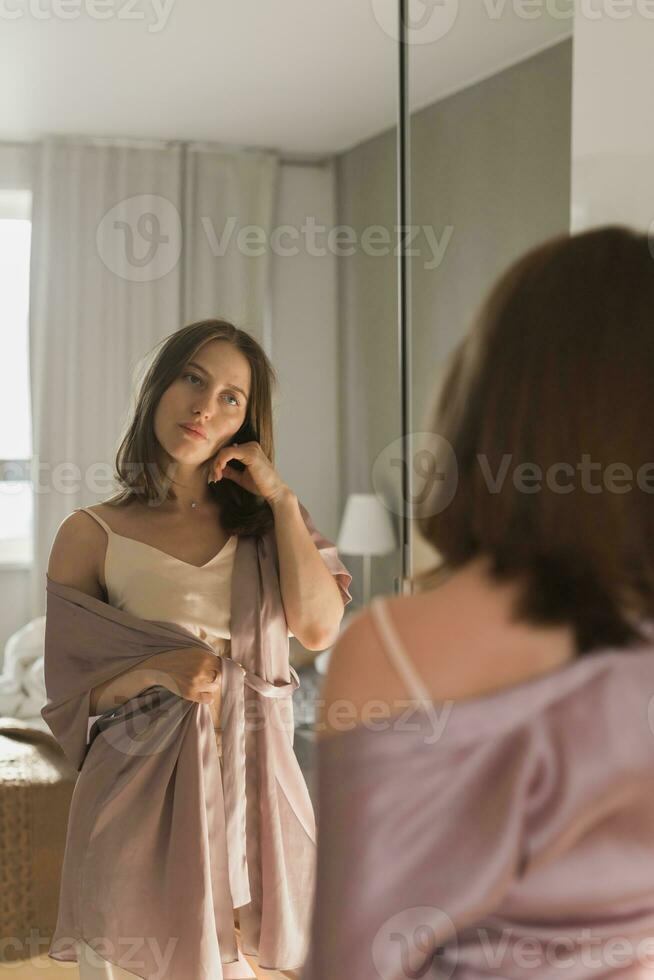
167	554
506	828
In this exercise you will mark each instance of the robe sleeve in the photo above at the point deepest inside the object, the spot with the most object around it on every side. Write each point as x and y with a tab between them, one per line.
69	722
329	555
70	719
87	643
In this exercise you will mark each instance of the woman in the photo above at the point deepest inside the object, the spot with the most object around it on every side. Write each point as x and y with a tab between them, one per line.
205	536
485	792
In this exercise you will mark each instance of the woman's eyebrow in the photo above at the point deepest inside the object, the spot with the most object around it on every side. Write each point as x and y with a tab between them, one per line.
208	373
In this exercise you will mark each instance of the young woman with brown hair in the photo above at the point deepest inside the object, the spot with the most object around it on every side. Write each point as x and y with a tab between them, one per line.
204	536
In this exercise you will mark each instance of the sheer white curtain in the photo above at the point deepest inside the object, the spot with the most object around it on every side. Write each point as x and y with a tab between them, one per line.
229	205
124	253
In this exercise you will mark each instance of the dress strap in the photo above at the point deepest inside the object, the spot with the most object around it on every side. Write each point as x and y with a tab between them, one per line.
97	518
396	651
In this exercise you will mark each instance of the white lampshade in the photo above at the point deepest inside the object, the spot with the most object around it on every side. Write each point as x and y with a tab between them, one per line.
366	528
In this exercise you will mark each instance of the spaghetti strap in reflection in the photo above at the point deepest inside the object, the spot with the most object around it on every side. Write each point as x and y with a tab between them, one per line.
396	651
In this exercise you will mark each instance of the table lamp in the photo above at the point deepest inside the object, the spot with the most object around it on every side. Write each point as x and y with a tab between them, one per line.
366	530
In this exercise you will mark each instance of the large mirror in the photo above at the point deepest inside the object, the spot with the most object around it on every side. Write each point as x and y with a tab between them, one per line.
162	163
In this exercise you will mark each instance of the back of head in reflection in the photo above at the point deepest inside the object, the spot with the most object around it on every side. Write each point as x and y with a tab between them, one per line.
547	406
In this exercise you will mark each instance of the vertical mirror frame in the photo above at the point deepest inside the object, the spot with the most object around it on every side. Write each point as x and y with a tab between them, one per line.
402	583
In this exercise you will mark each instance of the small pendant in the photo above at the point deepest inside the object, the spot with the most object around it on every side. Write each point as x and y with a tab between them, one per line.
193	503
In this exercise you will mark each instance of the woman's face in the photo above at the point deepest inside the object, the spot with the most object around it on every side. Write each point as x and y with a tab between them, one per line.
216	381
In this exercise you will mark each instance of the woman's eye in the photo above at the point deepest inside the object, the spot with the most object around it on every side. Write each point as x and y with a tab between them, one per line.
198	378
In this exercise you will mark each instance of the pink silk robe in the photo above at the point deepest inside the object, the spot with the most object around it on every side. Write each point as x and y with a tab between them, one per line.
160	847
503	837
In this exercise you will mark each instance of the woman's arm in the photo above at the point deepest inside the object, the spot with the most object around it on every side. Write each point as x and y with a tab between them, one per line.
186	671
312	600
119	689
74	560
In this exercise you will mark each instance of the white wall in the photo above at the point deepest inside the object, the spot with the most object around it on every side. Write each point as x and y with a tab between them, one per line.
613	117
305	347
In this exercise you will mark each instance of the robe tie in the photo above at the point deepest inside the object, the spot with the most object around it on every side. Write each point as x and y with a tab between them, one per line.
235	678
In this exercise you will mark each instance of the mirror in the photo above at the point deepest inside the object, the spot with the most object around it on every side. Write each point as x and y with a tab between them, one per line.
179	161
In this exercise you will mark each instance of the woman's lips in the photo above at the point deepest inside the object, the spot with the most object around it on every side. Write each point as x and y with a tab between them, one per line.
191	432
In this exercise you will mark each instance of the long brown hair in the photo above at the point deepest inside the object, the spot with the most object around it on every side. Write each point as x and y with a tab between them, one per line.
557	369
137	459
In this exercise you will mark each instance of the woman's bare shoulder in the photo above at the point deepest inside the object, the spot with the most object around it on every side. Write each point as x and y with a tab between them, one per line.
361	679
75	554
460	647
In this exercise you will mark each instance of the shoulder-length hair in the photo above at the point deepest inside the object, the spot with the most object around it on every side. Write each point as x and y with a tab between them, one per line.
547	407
137	463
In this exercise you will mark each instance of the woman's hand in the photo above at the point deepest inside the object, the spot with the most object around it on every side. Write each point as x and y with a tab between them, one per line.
188	672
258	477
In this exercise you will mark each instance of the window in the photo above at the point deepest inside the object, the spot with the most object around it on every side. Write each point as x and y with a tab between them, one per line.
15	408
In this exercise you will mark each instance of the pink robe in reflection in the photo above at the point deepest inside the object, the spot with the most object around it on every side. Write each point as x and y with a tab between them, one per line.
505	837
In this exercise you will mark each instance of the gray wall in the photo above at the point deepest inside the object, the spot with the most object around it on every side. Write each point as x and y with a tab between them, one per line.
493	162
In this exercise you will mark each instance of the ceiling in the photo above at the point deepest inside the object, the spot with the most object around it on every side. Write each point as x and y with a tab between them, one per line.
299	76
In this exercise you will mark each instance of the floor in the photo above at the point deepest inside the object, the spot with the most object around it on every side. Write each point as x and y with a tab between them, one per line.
36	970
